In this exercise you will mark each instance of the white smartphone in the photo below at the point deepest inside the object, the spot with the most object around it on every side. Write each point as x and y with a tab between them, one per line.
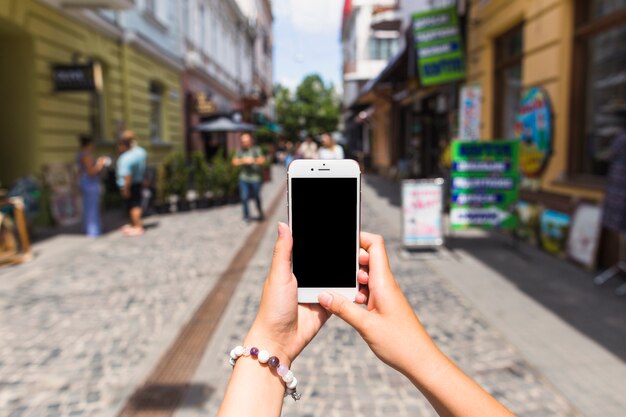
325	220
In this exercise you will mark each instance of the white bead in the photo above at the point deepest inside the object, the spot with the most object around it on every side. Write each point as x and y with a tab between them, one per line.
293	383
233	354
288	377
263	356
238	350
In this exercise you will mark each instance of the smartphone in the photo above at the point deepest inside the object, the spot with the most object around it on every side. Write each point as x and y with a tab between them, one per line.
325	218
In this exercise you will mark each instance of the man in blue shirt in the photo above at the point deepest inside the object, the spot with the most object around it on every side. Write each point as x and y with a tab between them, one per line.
131	167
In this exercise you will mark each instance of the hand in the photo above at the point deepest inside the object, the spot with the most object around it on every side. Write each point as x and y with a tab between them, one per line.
282	326
248	160
389	324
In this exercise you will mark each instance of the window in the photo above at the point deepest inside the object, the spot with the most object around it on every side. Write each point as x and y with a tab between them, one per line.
599	85
186	22
382	48
99	111
156	112
508	81
151	6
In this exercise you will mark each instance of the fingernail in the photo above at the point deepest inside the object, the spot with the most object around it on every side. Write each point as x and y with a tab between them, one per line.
282	227
325	299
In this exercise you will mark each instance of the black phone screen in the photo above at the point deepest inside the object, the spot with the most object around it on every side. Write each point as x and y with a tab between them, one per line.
324	227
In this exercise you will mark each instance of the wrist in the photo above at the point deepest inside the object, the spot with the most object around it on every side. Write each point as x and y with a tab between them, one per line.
260	340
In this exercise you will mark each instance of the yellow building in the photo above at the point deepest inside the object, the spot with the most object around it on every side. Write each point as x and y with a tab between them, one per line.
39	125
575	50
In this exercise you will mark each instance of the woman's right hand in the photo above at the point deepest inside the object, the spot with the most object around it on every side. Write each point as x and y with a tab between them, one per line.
389	324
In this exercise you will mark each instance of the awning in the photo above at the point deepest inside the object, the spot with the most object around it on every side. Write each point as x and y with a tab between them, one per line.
224	124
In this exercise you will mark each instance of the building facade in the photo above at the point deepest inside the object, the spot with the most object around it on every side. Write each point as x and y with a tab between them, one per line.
576	51
158	67
137	87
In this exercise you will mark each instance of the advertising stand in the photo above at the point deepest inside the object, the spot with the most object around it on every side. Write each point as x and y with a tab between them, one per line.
422	213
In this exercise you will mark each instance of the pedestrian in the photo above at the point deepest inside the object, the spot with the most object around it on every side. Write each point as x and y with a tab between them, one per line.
249	158
283	328
131	168
308	148
89	169
290	153
329	149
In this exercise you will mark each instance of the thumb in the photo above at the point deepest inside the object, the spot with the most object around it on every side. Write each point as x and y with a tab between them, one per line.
342	308
281	260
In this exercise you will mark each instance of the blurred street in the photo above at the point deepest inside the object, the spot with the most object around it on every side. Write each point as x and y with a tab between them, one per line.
490	137
79	334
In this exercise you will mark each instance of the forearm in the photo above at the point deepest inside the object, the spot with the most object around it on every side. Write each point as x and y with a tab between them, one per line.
449	390
254	388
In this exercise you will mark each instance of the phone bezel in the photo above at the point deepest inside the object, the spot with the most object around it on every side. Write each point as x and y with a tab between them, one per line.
316	168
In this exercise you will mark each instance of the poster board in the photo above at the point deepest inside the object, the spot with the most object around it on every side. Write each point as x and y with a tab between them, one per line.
14	239
469	114
422	212
534	129
584	235
485	184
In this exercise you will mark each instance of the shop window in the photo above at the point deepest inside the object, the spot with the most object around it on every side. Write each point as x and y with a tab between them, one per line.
99	109
382	48
509	50
599	86
156	112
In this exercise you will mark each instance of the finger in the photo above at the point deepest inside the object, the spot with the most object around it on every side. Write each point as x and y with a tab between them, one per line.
375	246
360	298
364	257
344	309
281	260
362	277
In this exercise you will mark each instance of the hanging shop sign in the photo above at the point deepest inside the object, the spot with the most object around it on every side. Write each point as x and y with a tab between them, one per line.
204	105
534	130
422	212
469	114
76	77
438	46
485	184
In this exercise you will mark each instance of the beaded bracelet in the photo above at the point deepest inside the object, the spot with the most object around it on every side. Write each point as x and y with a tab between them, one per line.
273	362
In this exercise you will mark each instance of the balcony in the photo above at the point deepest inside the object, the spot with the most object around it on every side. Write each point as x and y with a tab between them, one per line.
387	19
98	4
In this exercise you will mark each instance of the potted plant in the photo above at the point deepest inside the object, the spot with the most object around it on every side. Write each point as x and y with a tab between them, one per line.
200	173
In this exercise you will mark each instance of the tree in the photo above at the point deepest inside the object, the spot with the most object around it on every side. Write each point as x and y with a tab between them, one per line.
313	108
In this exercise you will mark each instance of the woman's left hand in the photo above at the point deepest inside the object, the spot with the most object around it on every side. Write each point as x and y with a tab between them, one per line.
282	326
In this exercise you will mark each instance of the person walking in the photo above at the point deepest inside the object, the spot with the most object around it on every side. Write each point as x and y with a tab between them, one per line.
250	159
89	183
131	168
329	149
308	148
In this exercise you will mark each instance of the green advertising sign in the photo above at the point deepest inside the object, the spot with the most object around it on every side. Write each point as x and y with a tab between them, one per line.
438	46
485	184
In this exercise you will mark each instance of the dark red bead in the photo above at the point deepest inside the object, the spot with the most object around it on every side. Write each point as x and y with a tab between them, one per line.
273	362
254	351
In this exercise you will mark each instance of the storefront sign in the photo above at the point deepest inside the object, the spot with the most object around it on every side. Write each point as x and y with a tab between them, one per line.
422	208
438	46
485	184
534	130
74	77
469	114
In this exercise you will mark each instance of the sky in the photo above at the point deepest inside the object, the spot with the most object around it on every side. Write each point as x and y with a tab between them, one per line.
306	40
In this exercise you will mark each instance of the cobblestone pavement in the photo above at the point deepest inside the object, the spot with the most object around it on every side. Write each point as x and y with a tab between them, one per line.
338	374
83	323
